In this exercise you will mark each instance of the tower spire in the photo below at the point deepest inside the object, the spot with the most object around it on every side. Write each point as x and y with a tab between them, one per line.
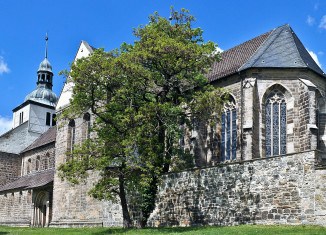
46	45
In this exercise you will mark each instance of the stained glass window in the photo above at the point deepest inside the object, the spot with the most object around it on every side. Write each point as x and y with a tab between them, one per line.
275	124
228	132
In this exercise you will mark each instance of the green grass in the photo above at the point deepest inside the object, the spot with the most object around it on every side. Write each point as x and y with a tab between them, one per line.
235	230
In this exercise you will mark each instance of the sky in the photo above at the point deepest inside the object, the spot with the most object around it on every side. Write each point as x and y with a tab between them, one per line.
108	23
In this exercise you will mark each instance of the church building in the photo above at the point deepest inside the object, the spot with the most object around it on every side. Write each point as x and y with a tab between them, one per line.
264	163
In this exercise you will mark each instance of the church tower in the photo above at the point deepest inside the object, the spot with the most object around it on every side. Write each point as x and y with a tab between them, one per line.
36	114
38	107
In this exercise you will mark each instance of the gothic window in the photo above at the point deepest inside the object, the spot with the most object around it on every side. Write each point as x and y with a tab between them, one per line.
37	163
275	118
86	126
229	132
71	135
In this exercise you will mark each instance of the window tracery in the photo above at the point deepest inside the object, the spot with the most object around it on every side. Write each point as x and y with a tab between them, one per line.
229	132
275	124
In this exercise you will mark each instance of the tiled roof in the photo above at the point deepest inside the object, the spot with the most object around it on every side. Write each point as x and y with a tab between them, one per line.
46	138
235	57
279	48
30	181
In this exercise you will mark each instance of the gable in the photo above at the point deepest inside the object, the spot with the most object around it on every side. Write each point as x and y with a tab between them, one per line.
64	99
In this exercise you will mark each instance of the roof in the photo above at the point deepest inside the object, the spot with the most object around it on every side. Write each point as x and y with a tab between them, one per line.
32	102
46	138
84	50
36	180
278	48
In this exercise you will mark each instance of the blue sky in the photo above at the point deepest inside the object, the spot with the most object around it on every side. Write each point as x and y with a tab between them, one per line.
108	23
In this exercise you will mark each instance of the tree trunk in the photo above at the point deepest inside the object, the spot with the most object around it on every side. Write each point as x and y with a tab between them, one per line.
127	223
148	203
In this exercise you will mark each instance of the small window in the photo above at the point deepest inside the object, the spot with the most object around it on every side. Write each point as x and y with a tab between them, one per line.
54	121
46	161
21	118
37	163
29	164
48	119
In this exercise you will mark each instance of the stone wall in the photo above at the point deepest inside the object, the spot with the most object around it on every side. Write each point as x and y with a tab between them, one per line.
16	208
277	190
10	166
45	156
72	206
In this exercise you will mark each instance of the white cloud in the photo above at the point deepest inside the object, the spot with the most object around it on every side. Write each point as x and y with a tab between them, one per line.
320	53
322	23
5	124
310	20
315	57
217	49
3	66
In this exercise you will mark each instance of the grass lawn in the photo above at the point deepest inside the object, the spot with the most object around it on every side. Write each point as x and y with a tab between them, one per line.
235	230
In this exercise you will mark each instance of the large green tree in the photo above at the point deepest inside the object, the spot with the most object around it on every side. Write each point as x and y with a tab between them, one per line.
139	96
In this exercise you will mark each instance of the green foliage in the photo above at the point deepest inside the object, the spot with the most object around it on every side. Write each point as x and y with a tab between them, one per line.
140	95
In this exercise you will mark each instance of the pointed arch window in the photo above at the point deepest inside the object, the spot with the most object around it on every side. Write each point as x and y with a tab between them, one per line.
275	117
229	132
71	135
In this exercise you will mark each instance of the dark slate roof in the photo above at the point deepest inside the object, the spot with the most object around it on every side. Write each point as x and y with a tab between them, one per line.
36	180
46	138
279	48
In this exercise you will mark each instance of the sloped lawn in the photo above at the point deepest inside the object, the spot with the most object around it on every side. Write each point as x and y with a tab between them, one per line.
236	230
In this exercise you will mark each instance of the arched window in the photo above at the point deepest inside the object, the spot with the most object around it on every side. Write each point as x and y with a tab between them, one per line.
86	126
229	132
37	163
71	135
29	165
275	124
46	161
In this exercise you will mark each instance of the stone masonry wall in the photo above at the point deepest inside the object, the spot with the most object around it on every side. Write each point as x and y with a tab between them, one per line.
45	155
72	206
10	166
16	208
277	190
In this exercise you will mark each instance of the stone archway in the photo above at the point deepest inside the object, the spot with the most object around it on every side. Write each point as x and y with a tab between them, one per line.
41	209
